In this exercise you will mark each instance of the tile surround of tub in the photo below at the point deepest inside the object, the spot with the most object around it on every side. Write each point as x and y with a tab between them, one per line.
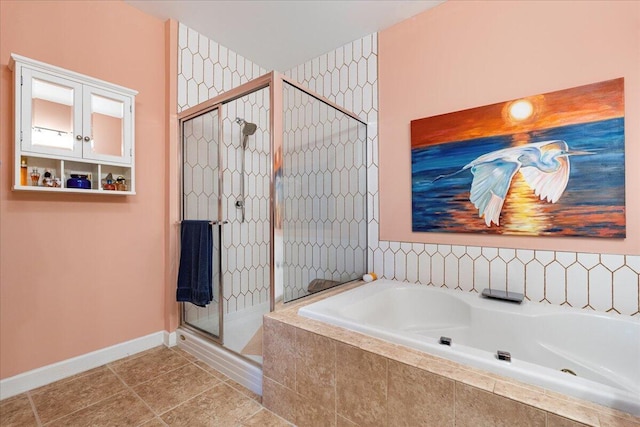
606	283
375	372
600	282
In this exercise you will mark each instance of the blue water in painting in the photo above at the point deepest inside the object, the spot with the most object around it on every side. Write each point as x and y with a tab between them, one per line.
591	205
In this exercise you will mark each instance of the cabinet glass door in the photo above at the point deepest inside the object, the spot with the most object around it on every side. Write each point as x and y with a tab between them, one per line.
51	115
107	118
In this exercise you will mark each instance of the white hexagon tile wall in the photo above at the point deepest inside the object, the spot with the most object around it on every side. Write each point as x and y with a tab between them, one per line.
324	194
348	77
205	70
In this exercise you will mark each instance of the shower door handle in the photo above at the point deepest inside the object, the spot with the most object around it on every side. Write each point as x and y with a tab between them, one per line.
219	222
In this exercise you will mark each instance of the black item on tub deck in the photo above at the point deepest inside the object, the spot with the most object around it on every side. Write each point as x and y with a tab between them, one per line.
503	295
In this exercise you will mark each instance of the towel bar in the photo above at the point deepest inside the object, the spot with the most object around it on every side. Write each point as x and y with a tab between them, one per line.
210	222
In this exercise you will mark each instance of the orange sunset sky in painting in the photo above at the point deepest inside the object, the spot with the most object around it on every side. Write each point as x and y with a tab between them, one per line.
582	104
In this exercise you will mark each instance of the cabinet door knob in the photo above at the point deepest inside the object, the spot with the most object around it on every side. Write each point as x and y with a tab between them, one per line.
79	137
87	139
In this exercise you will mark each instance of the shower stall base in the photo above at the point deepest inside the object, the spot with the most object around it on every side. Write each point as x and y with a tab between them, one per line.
243	328
240	328
239	369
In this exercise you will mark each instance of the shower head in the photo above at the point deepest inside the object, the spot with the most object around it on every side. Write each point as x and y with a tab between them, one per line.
249	128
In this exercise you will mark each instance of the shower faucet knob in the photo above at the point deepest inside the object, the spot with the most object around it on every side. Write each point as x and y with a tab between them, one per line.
239	204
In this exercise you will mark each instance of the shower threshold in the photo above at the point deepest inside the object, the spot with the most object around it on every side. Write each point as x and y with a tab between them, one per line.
245	372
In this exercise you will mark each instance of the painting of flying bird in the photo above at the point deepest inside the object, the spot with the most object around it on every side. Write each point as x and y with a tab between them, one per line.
543	165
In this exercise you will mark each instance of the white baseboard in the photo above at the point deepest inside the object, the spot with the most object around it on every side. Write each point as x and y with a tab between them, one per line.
170	338
227	362
47	374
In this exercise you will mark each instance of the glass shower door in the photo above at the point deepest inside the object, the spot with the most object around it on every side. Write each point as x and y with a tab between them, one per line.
321	185
245	201
201	201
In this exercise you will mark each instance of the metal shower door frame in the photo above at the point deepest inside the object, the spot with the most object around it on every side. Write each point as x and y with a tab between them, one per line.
216	103
215	222
274	81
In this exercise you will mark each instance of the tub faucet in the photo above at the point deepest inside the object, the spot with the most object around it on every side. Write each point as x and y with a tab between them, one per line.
503	295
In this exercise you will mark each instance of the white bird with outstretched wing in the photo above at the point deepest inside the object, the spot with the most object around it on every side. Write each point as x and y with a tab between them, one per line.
544	166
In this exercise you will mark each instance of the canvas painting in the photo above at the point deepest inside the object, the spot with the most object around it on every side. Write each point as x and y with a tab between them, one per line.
542	165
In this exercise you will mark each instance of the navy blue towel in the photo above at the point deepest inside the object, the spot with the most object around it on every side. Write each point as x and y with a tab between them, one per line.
195	273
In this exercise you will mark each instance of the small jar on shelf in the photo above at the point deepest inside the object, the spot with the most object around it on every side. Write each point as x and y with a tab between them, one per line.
121	183
35	177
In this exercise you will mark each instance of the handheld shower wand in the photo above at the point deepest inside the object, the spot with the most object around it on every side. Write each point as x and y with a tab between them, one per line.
247	129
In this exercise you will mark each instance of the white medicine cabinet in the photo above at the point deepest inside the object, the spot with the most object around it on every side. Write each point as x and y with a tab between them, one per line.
73	133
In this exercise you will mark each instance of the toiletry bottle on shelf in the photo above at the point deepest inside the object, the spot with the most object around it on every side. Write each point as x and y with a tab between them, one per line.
370	277
121	184
47	181
24	173
109	185
35	177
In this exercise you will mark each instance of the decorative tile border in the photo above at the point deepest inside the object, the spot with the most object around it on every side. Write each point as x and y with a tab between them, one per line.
600	282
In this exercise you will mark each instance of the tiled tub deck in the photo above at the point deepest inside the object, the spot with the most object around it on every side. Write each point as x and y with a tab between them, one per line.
316	374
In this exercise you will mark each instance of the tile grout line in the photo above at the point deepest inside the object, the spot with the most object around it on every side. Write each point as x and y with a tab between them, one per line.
240	391
33	408
84	407
157	376
189	399
220	381
252	414
68	380
455	387
156	414
128	387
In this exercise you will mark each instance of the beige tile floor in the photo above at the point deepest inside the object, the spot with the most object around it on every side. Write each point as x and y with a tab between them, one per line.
159	387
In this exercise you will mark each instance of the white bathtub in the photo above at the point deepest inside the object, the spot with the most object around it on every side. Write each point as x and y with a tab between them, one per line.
603	350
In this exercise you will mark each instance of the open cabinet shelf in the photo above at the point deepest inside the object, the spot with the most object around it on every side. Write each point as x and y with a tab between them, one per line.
69	124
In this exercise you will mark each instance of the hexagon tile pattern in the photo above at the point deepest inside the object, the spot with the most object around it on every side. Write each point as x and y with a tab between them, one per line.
200	185
601	282
324	193
347	76
246	245
205	70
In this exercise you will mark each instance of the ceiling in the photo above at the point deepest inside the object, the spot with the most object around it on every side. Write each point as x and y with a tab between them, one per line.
278	35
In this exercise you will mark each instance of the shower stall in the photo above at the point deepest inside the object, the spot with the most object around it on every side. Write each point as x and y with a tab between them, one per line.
280	173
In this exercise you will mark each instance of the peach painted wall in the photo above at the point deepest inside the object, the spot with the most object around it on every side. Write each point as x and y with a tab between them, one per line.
464	54
80	273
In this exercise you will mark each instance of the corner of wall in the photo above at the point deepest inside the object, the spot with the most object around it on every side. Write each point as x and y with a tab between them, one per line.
172	187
